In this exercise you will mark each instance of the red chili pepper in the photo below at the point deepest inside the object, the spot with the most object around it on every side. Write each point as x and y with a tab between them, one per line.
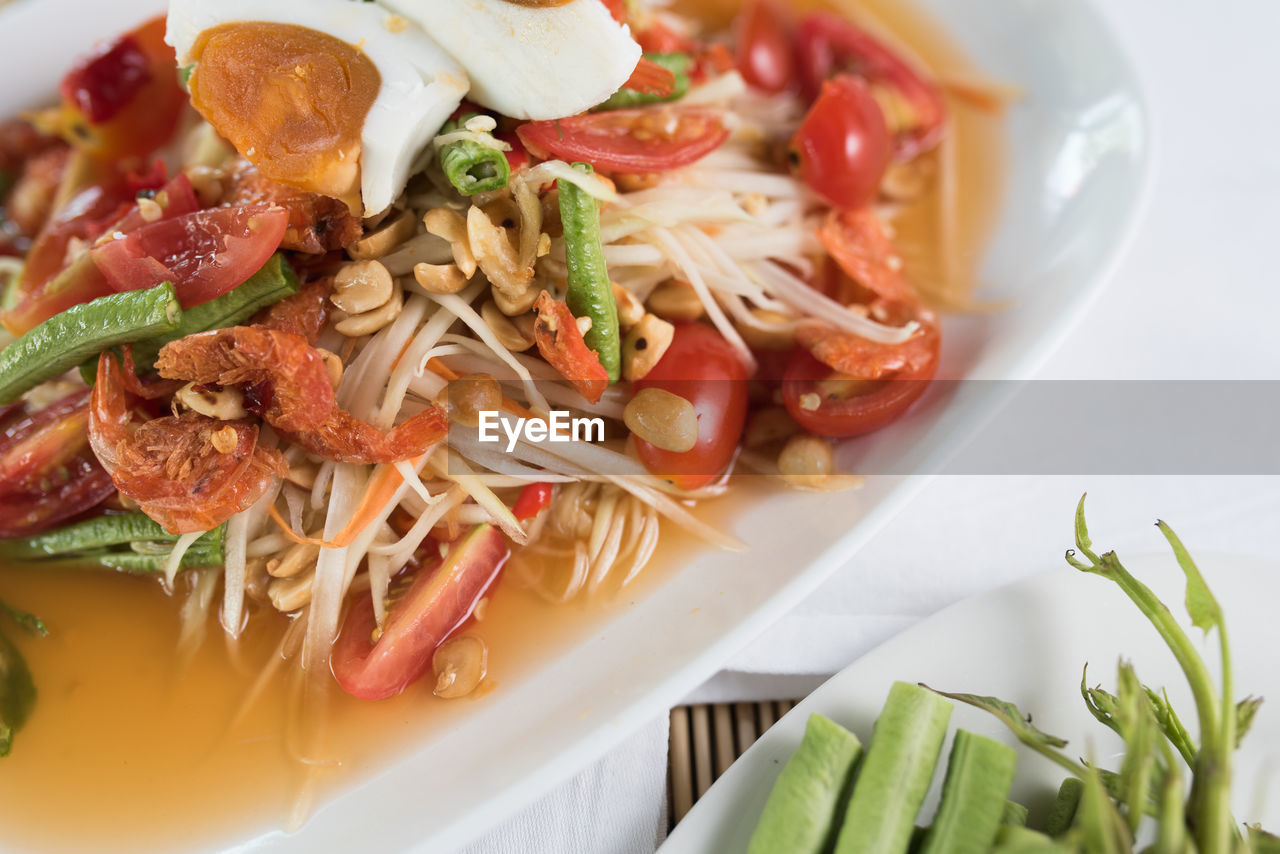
651	78
103	83
533	499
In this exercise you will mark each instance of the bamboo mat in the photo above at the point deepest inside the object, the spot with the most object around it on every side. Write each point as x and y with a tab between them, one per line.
705	740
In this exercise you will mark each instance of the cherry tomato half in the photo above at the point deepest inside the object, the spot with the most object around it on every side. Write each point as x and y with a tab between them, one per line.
440	599
829	403
204	253
705	370
655	139
48	473
842	147
49	285
764	55
827	45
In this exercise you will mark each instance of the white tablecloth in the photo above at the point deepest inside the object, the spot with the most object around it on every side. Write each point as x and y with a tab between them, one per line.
1195	298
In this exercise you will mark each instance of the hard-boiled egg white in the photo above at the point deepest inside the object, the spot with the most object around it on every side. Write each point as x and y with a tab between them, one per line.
365	94
531	62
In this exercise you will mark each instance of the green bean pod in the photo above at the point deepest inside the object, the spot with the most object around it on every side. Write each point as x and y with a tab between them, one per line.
67	339
275	281
896	772
590	291
979	774
474	168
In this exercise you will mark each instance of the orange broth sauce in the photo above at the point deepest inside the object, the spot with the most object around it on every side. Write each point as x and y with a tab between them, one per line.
134	745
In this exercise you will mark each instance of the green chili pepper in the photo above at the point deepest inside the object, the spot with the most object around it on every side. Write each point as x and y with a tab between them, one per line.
17	693
275	281
69	338
678	64
590	291
471	167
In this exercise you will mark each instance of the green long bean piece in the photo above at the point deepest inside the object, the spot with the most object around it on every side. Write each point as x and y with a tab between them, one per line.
474	168
590	291
67	339
275	281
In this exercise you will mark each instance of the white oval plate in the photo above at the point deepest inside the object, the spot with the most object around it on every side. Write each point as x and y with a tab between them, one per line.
1075	186
1026	643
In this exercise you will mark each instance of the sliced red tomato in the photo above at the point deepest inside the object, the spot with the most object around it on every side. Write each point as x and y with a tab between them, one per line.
56	290
560	342
643	141
48	473
827	45
176	198
533	499
124	99
705	370
875	386
764	53
440	598
842	147
204	254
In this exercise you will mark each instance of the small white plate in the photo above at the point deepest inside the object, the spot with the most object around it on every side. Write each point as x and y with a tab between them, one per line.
1074	188
1027	643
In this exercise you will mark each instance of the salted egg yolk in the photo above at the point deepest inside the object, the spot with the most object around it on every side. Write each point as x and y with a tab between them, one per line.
291	99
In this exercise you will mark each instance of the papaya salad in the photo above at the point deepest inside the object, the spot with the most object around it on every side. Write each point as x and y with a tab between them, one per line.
277	274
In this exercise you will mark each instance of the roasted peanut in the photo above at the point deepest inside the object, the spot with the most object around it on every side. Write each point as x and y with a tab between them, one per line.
676	301
665	420
389	234
644	345
362	286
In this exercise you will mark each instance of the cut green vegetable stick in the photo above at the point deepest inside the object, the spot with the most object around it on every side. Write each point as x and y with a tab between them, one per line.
1064	807
803	807
67	339
590	291
895	775
678	64
275	281
17	693
979	774
1014	815
474	168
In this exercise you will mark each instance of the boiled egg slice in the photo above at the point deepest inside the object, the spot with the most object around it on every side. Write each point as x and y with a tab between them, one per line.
529	59
332	96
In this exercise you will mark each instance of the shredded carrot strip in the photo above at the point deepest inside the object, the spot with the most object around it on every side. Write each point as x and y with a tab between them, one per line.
438	368
289	532
386	480
400	355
